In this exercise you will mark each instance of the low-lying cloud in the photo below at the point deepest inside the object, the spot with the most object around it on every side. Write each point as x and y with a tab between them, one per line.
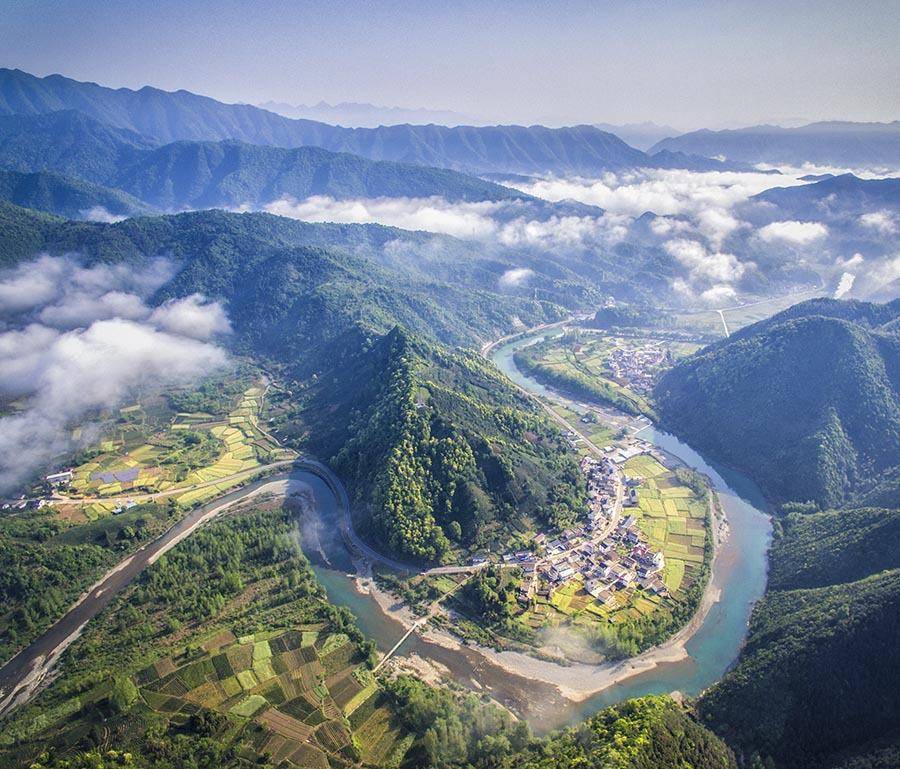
515	277
83	339
797	233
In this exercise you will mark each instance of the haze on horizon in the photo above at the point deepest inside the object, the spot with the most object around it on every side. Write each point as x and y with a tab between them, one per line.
688	64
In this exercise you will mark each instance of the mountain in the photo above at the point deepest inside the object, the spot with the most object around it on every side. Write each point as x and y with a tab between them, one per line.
363	115
805	402
441	452
189	174
842	144
379	396
815	685
833	197
64	196
640	135
164	117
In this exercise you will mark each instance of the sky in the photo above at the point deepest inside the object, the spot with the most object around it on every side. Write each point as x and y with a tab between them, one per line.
684	63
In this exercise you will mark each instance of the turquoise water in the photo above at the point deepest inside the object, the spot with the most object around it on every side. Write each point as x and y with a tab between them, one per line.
741	564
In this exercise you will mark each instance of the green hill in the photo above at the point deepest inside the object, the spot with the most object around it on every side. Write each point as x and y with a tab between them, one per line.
440	452
64	196
816	683
805	402
647	733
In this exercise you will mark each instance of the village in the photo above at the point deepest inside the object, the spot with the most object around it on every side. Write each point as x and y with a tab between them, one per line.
608	555
638	367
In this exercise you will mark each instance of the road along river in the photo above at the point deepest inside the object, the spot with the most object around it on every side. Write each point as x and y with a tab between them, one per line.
545	693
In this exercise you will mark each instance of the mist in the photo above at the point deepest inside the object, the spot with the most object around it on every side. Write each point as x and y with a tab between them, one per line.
78	340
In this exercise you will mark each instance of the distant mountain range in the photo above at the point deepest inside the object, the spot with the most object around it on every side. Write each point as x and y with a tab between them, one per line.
833	196
836	143
806	402
641	135
364	115
162	117
195	174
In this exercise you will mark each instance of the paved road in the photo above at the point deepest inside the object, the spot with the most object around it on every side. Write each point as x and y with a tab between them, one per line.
21	676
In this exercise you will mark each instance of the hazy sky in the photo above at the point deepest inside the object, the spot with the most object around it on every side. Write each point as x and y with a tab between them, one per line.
680	62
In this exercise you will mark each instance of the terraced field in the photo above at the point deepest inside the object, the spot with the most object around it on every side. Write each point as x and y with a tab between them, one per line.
302	697
194	448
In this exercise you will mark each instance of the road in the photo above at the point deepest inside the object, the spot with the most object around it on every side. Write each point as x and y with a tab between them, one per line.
22	675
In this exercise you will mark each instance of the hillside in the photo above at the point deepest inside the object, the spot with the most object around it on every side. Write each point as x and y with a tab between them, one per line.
815	684
646	733
841	144
806	402
439	451
833	198
194	174
64	196
166	117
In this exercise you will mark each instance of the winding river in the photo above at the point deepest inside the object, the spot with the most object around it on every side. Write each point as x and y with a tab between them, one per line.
740	576
521	683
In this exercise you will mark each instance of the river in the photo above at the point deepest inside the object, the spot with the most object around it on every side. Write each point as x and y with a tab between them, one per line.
741	567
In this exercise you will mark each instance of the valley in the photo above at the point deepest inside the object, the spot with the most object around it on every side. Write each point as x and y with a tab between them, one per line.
565	439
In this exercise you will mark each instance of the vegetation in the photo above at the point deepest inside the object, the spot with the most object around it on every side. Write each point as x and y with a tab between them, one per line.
815	684
224	651
443	455
806	402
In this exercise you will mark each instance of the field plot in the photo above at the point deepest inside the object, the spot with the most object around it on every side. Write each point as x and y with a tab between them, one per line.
674	519
317	704
160	449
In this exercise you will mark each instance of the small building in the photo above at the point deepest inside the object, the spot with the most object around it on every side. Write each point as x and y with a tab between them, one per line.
56	479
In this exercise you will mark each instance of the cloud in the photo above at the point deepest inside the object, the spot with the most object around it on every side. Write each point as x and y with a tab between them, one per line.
100	214
83	341
844	284
515	277
462	220
718	295
664	192
882	221
793	232
704	264
193	316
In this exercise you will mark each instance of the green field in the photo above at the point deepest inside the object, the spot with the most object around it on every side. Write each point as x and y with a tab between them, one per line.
299	695
156	449
674	519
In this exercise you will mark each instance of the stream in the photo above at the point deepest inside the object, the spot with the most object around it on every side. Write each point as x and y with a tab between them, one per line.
740	569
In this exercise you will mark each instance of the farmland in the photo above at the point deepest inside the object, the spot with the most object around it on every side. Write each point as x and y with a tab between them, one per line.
617	370
229	640
303	696
155	447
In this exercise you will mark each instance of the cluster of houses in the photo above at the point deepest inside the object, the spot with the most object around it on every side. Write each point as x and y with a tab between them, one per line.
607	561
635	367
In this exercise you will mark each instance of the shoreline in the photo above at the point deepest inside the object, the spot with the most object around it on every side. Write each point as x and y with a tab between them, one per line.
576	681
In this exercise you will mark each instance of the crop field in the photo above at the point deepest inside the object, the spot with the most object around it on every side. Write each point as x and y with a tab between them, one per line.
673	518
620	365
301	696
156	449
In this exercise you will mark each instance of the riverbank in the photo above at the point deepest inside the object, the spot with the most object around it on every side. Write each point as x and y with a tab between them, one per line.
574	681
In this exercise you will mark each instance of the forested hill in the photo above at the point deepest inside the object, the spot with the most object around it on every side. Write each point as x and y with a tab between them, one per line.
806	402
197	174
65	196
816	684
165	117
441	453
